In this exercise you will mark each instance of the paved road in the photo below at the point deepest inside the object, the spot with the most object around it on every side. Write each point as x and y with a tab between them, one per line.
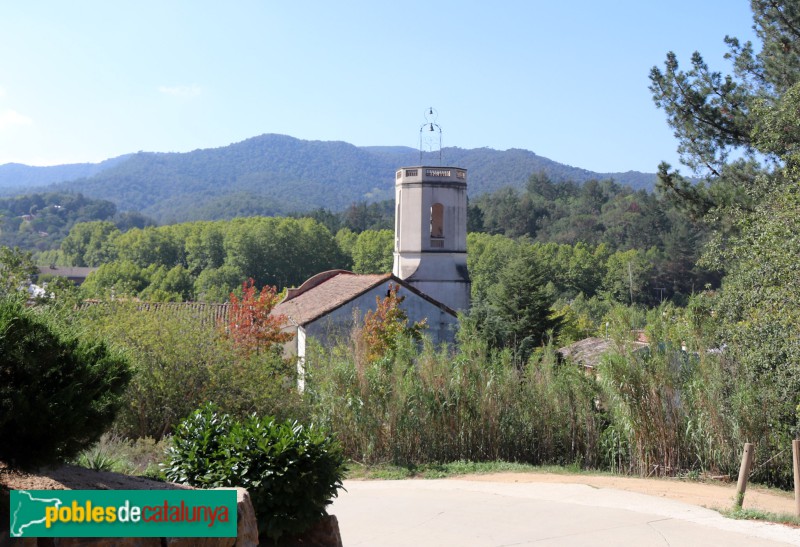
468	513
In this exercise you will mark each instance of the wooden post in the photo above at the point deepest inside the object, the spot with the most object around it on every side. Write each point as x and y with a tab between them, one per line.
744	472
796	461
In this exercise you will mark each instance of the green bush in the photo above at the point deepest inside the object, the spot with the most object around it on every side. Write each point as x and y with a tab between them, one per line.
291	471
58	392
181	359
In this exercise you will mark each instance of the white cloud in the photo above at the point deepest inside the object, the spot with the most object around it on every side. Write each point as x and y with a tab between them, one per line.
11	118
181	90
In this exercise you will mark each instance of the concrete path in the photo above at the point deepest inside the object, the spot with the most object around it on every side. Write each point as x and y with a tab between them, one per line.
466	513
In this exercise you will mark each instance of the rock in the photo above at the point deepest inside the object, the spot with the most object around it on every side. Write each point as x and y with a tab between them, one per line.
103	542
246	525
7	541
199	542
325	533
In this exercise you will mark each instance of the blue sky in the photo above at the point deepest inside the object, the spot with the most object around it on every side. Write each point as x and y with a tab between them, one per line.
88	80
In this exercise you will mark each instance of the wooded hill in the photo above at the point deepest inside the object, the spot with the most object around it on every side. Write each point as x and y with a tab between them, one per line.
277	174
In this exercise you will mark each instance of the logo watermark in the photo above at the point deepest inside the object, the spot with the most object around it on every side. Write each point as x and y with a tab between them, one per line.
123	513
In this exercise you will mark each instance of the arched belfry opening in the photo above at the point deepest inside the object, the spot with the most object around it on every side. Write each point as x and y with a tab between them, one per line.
430	250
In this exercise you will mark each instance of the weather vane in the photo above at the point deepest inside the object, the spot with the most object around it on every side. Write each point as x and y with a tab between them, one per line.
430	135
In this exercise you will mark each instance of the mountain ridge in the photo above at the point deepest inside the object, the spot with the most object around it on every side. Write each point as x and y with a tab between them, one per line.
280	174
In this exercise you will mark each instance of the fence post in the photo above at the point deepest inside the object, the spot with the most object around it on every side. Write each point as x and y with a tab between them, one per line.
744	472
796	463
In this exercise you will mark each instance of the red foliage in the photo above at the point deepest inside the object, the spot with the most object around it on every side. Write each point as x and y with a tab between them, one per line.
251	324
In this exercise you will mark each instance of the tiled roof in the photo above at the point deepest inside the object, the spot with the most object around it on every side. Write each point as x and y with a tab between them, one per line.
217	313
314	299
587	352
206	312
319	295
65	271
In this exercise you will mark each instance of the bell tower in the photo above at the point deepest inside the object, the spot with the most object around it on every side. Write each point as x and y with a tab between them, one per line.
430	245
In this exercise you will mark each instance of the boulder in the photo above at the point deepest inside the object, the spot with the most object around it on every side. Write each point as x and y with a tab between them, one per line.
325	533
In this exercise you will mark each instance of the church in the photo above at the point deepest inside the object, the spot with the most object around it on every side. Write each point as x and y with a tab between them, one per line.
429	271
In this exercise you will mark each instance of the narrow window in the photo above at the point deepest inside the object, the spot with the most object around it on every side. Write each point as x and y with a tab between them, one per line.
397	214
437	220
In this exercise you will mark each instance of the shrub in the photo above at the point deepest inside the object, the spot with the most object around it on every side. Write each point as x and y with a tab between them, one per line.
142	456
291	471
58	392
180	360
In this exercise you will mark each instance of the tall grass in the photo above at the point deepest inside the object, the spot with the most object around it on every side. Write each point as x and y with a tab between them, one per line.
668	408
668	403
431	404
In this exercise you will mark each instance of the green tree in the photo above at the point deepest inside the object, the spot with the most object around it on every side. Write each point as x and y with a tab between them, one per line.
165	285
16	270
754	208
59	392
713	115
517	313
280	251
150	246
486	257
757	311
115	279
346	240
373	252
215	284
91	243
628	275
204	245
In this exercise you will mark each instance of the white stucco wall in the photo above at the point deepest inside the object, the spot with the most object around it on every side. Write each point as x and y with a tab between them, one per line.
441	326
301	358
436	266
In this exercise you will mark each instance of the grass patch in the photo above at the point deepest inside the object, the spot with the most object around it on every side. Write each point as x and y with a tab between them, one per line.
756	514
142	457
451	469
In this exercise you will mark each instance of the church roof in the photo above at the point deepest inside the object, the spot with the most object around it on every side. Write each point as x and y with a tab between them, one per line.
328	291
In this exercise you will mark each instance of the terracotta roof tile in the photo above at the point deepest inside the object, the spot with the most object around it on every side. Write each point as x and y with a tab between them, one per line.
206	312
316	297
327	296
589	351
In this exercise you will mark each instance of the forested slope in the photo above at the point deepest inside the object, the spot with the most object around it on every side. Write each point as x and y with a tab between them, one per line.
277	174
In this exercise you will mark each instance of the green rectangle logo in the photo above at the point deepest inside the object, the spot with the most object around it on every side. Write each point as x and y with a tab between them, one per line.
123	513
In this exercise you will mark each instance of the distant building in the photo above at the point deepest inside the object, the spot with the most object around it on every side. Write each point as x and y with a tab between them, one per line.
589	352
75	274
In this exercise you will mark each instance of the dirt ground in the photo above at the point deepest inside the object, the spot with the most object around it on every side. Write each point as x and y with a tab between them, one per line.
709	495
71	477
